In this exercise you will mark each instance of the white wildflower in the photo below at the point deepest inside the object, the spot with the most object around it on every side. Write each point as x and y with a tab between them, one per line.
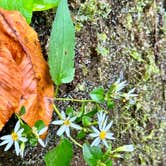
14	138
103	133
129	96
38	134
66	123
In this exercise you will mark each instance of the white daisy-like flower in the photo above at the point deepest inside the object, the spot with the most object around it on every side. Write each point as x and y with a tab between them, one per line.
103	133
38	134
117	87
14	138
66	123
129	96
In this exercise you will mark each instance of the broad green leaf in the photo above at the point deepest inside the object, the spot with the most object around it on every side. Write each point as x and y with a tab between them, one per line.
40	5
60	155
21	5
92	155
98	95
61	47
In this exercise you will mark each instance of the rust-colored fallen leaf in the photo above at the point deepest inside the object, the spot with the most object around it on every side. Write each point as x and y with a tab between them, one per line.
28	79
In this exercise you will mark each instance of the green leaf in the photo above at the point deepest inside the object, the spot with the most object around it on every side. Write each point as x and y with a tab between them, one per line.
86	121
22	111
39	125
60	155
110	104
69	111
33	141
81	134
108	163
40	5
92	154
21	5
98	95
92	113
61	47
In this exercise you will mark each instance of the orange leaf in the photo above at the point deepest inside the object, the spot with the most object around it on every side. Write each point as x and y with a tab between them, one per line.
36	88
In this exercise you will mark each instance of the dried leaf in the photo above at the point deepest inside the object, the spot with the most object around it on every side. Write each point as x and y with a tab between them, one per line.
10	83
21	41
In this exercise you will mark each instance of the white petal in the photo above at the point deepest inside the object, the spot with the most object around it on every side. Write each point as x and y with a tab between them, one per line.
20	132
67	131
105	143
23	139
17	126
96	142
109	136
8	146
58	122
93	135
61	130
104	123
43	130
108	126
95	130
41	142
63	115
4	142
73	119
6	137
17	148
75	126
101	119
131	91
99	116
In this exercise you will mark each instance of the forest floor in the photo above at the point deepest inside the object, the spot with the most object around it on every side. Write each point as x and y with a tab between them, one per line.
115	39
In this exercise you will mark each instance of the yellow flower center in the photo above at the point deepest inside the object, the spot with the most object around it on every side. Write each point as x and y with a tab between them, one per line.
66	122
102	135
14	136
124	100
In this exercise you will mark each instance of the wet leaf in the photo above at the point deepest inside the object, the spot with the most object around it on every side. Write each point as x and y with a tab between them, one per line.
24	73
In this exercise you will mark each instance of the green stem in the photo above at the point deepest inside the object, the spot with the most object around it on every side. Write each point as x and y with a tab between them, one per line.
73	100
75	142
19	118
56	90
57	111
